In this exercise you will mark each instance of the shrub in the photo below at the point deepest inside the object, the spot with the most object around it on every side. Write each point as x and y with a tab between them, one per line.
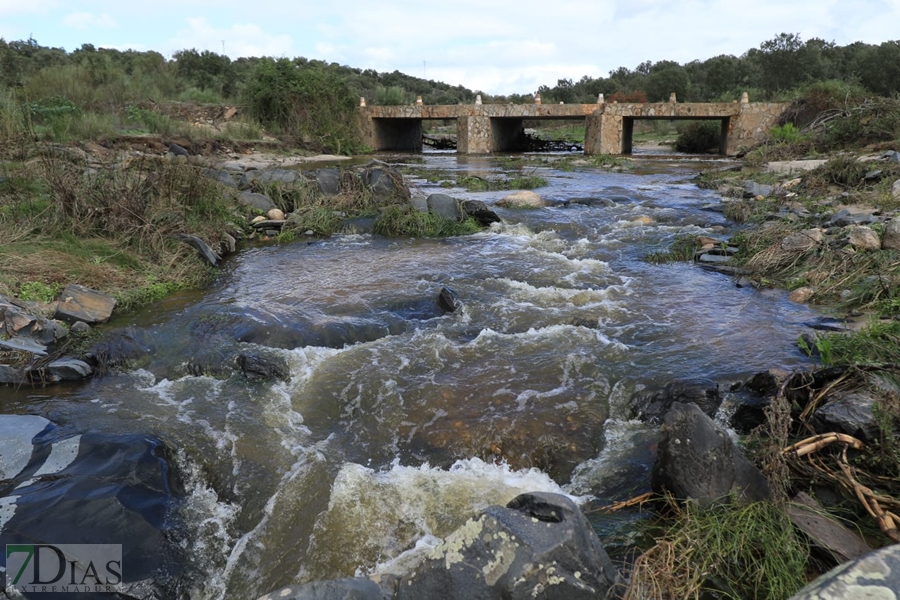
311	103
787	133
390	96
699	137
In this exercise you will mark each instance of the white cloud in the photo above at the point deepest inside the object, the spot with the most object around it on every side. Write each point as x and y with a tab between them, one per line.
238	40
86	20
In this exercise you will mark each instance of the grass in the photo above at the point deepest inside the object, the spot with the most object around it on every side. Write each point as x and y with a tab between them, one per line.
320	220
876	344
681	250
731	551
480	184
110	230
405	221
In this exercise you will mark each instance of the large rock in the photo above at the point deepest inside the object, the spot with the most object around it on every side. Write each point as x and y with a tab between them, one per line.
522	199
652	403
338	589
479	211
864	238
384	182
79	303
697	460
445	206
753	189
538	546
802	240
890	240
220	176
875	575
258	201
851	413
329	181
895	190
93	488
15	322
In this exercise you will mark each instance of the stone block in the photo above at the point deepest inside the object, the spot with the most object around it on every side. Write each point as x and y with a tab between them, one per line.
79	303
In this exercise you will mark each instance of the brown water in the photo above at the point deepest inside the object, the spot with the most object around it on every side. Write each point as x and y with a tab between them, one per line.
376	449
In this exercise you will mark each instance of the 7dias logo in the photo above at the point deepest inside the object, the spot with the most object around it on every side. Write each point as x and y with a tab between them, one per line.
32	568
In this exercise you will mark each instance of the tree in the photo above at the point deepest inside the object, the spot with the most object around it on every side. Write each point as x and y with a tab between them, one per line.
878	68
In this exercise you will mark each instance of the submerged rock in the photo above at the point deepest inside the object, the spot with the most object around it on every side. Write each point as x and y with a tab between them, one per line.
479	211
94	488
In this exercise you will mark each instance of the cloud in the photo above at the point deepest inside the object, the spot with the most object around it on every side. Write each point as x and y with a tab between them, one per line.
85	20
238	40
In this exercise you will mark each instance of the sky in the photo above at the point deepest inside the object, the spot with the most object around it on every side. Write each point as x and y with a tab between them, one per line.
494	46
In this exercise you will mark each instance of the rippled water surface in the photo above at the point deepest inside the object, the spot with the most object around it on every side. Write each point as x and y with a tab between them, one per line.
374	450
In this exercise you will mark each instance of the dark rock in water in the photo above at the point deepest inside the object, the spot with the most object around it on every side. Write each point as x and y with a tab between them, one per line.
697	460
262	368
652	403
448	301
117	349
445	206
329	181
874	575
10	374
827	324
221	176
79	303
94	488
479	211
593	202
257	201
207	253
178	150
538	546
851	413
359	225
23	344
338	589
69	369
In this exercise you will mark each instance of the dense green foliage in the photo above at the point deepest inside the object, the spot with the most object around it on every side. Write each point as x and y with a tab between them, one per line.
313	104
698	137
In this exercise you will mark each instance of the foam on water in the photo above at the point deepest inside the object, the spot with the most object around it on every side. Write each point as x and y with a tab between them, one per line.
374	517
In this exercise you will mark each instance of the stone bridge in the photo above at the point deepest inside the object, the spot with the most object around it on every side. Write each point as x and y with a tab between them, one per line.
485	128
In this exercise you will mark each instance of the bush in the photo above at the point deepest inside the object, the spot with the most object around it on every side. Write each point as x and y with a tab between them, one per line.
309	102
787	133
390	96
699	137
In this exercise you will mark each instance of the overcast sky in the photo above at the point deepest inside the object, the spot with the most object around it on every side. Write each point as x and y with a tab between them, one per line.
496	46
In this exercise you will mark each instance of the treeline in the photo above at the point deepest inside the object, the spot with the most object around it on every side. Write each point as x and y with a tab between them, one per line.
771	72
91	74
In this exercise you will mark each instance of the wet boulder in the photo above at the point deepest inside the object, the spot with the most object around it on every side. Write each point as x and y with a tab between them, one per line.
697	460
851	413
259	367
338	589
478	210
522	199
118	348
384	182
539	545
445	206
874	575
94	488
652	403
448	301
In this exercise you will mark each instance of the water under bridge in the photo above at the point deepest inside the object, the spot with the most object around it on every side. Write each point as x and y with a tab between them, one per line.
609	126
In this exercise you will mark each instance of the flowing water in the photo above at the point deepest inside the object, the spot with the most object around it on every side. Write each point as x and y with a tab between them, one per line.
372	451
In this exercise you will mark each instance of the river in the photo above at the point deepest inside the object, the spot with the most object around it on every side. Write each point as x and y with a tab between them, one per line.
372	451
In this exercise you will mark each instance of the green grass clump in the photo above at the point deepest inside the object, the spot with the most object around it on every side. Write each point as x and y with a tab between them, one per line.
322	221
733	552
39	291
402	220
681	250
479	184
877	344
